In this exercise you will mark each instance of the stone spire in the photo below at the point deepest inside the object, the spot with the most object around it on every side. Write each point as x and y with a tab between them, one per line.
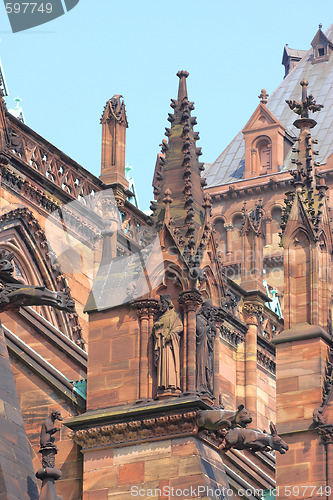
179	171
306	234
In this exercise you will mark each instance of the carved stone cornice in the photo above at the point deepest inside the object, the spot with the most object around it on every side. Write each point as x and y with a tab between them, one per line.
190	300
326	434
232	336
252	311
265	360
145	307
147	429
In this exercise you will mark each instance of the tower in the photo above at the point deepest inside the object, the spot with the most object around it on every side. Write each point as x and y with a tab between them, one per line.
303	350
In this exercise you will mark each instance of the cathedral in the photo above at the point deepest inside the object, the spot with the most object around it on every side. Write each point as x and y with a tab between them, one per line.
187	353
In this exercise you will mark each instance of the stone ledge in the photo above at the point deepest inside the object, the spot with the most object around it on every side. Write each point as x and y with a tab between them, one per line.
136	410
302	331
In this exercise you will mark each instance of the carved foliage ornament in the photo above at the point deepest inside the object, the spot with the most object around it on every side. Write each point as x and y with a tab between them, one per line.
138	430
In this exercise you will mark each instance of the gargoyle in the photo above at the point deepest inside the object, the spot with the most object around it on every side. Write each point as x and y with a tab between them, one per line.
14	293
224	419
48	429
256	440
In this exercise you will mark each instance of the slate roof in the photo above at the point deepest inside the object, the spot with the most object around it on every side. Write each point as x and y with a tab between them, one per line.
229	166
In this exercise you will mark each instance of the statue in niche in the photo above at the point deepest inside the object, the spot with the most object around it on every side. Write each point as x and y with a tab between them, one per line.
205	333
14	293
166	332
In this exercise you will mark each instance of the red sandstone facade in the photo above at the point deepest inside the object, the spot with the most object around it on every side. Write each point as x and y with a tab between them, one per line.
129	431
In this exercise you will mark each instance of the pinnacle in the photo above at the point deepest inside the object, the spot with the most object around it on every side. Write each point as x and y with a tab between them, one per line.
182	90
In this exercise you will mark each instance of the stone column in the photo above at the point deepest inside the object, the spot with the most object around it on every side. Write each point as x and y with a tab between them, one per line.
252	312
145	310
190	301
268	227
229	227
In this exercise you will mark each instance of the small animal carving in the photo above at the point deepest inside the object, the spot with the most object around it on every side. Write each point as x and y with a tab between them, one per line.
224	419
256	440
48	429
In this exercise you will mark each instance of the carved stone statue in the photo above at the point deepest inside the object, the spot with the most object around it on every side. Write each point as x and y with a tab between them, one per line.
256	440
48	429
206	333
47	447
14	293
166	332
224	419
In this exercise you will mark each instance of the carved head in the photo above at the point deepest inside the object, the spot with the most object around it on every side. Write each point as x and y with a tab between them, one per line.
243	416
6	266
165	302
278	443
56	415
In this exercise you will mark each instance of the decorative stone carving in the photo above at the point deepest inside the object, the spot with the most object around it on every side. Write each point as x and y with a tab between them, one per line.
26	215
326	433
48	429
166	331
138	430
234	337
48	473
14	293
145	307
256	440
205	338
318	416
224	419
190	299
252	312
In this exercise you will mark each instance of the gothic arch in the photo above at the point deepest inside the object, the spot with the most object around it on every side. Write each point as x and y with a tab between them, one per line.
21	233
261	154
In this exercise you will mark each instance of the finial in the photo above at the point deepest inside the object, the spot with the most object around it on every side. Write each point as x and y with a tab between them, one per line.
320	26
307	104
263	96
182	90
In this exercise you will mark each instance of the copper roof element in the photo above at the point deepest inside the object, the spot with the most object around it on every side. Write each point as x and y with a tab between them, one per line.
178	172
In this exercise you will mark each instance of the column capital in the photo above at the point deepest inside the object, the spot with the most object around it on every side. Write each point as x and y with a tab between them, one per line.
228	226
252	311
190	299
145	307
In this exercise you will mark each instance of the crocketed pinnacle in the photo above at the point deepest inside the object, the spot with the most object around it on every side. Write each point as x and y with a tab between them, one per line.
179	171
309	185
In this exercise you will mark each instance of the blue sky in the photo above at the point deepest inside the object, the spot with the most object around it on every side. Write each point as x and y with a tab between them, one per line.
67	69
